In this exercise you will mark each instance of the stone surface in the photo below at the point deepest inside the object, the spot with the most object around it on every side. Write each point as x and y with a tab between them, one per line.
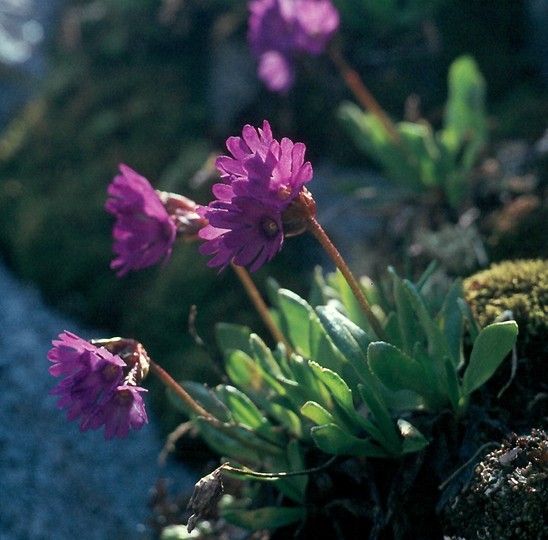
56	482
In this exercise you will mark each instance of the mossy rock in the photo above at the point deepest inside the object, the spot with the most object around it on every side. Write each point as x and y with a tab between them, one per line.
519	286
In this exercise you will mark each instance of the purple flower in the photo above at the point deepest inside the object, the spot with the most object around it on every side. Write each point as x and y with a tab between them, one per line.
123	409
94	378
280	29
261	179
144	232
241	230
262	167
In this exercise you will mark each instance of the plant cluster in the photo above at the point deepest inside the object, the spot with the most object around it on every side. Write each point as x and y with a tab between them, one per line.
354	369
357	374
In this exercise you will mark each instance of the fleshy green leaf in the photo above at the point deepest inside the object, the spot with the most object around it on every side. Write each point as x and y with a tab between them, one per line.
398	371
263	355
348	338
489	350
204	396
231	443
333	381
332	439
232	336
249	376
295	320
406	318
315	412
451	322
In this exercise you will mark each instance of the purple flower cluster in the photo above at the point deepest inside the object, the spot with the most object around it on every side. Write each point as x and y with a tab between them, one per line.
261	178
144	232
94	388
281	29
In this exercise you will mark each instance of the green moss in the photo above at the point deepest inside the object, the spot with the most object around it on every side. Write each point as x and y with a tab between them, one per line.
520	286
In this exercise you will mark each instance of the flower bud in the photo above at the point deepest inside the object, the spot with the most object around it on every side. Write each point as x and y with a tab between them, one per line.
132	353
183	213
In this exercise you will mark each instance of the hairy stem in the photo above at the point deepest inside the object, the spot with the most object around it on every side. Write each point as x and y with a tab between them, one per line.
316	229
260	306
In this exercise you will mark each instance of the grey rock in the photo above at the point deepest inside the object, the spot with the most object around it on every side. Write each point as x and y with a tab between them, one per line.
56	482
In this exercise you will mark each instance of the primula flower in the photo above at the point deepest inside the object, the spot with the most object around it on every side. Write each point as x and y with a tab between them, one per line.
123	409
264	168
241	230
94	388
280	29
245	223
144	232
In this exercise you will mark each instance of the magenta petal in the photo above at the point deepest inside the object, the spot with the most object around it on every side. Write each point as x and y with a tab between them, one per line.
143	232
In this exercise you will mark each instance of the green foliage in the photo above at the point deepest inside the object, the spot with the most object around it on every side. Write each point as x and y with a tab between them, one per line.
336	391
419	159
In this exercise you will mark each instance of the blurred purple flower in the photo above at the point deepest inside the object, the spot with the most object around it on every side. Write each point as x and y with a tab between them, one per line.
280	29
144	232
261	180
93	379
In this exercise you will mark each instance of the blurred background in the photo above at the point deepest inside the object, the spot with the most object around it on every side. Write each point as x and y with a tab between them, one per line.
160	85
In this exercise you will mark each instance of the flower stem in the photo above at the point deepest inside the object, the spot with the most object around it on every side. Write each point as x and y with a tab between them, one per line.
316	229
286	474
260	305
198	410
179	391
361	92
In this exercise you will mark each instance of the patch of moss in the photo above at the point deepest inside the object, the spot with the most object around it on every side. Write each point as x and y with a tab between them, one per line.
517	289
520	286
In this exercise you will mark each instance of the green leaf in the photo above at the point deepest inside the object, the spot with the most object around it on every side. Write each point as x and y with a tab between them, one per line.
438	348
245	373
473	326
230	442
489	350
204	396
398	371
294	486
406	318
232	336
245	412
348	338
295	320
268	517
332	439
451	322
263	355
465	118
315	412
372	138
345	414
323	350
384	430
242	408
308	386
